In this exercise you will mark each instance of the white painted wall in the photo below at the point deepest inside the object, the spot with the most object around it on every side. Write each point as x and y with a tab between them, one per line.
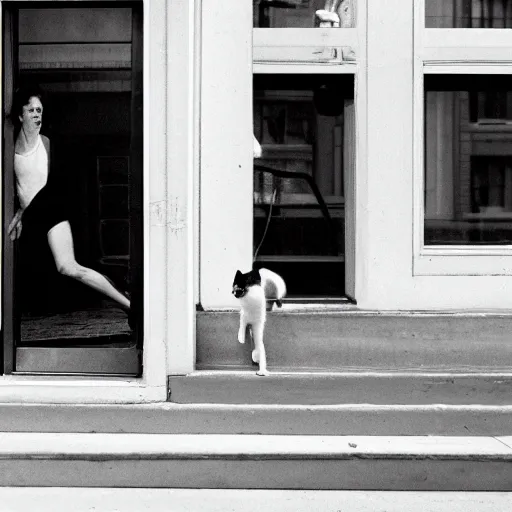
386	213
226	198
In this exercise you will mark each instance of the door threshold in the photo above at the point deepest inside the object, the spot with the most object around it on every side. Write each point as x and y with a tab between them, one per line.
301	302
318	299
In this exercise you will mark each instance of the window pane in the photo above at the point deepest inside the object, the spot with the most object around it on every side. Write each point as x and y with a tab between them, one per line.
468	14
305	125
303	13
468	160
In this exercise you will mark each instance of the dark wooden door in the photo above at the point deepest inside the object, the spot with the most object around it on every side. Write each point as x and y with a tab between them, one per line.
10	59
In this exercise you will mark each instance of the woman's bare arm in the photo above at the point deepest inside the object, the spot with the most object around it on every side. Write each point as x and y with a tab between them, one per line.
14	229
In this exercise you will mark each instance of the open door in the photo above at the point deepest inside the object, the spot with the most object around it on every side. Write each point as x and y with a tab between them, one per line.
303	193
86	57
349	168
136	182
9	68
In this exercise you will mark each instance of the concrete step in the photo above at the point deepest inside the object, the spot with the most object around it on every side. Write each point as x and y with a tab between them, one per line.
346	339
256	462
268	419
222	500
335	388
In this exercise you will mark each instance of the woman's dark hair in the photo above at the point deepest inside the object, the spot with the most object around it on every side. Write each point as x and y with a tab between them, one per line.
22	97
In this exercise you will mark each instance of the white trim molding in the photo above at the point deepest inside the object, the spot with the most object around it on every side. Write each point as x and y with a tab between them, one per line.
182	124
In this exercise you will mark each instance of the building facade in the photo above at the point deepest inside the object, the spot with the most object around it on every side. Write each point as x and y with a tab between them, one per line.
383	195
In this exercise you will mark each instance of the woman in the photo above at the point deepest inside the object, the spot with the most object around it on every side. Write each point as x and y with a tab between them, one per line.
42	208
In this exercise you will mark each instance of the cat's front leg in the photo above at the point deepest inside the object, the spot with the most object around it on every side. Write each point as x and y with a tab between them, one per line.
242	328
259	356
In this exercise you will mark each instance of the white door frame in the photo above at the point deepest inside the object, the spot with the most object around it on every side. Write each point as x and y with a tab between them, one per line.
169	159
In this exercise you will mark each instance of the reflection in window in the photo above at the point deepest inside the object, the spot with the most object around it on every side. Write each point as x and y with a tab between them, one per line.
305	125
468	160
303	13
468	14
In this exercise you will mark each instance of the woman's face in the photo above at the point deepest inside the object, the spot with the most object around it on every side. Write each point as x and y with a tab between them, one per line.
32	116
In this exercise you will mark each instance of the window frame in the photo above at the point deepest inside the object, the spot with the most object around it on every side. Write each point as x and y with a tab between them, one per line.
168	144
452	51
269	48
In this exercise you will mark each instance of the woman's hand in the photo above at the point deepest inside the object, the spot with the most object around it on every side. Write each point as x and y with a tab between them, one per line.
14	229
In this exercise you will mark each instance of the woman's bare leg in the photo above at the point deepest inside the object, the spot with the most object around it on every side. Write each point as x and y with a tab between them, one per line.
60	240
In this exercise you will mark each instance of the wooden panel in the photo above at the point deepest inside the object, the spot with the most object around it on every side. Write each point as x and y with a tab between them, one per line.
79	24
349	170
94	360
75	56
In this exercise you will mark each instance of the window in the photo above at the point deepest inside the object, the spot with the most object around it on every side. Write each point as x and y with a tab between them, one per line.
467	160
466	111
299	221
303	118
302	13
468	14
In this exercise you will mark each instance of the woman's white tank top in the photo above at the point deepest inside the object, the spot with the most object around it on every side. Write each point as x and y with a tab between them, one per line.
31	172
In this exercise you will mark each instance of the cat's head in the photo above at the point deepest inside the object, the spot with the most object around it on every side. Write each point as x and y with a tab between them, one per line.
243	282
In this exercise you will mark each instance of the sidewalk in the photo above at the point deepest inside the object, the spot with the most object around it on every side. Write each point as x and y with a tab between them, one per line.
183	500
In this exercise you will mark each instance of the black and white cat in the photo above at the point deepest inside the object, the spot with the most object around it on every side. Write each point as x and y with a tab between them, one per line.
253	290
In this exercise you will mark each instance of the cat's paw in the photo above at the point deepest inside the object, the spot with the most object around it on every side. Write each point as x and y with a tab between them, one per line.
255	356
241	337
263	372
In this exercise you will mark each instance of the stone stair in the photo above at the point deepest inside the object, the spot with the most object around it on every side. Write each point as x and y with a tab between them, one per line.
394	402
342	339
393	378
427	463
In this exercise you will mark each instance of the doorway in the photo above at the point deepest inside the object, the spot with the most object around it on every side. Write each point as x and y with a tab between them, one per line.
86	59
303	197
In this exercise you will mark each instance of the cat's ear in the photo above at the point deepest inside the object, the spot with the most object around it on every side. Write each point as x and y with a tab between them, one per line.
238	274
